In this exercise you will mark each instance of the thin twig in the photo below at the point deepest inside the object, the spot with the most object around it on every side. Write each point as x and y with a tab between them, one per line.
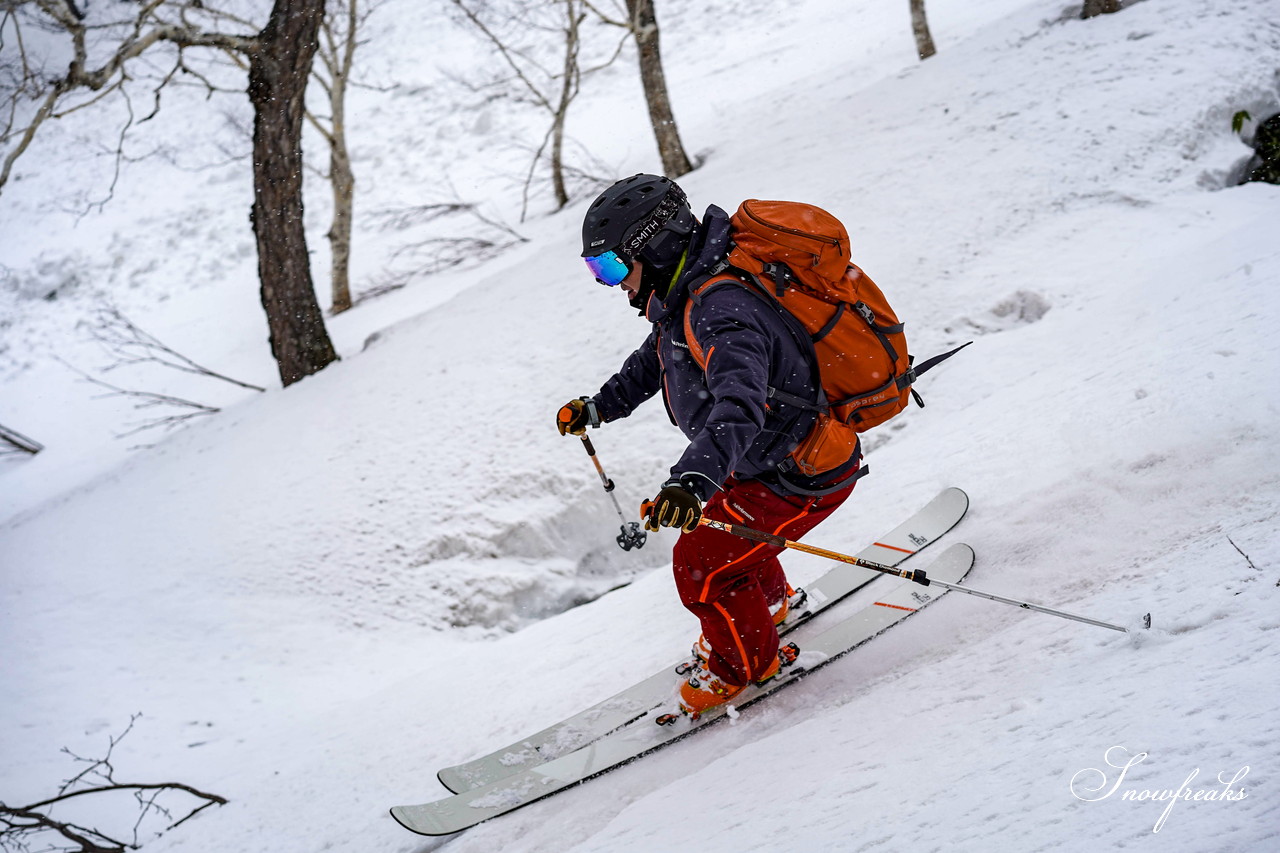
131	344
18	824
1243	554
147	400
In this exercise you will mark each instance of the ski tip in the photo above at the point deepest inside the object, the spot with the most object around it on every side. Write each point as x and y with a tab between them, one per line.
957	552
420	821
450	782
398	814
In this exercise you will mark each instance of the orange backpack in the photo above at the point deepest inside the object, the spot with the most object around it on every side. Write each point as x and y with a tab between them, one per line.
797	256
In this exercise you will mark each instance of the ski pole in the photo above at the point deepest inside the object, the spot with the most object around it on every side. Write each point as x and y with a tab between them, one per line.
631	536
913	575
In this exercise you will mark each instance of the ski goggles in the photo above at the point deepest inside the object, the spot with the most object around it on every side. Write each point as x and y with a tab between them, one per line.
609	268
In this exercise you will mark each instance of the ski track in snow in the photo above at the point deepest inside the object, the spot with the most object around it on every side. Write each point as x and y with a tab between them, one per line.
314	596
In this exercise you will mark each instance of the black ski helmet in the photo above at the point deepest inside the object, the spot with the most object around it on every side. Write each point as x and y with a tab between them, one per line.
644	216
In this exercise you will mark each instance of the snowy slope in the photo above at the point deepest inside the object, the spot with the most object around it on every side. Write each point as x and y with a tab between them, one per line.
311	595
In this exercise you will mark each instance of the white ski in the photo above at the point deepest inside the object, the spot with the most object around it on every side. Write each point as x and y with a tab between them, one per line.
464	810
924	527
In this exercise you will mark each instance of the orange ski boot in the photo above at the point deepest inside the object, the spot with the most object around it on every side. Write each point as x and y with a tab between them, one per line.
705	690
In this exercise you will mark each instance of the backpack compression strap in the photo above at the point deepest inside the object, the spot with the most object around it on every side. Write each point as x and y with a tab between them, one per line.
914	372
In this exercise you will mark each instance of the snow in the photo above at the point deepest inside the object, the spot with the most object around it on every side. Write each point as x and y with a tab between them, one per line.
322	594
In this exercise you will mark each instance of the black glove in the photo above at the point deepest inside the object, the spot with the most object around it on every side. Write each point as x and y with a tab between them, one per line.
576	415
675	506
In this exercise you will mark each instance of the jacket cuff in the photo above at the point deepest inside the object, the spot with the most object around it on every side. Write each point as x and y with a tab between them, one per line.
698	484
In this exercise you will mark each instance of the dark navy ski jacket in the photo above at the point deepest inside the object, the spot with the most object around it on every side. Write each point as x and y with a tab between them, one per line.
733	426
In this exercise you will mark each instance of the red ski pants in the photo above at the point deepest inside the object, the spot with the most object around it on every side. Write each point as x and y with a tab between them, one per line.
729	582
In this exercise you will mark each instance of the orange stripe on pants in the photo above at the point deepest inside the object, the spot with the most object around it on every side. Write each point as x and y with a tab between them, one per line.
729	582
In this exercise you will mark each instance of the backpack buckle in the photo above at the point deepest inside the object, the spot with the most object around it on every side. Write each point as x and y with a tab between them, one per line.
865	311
781	277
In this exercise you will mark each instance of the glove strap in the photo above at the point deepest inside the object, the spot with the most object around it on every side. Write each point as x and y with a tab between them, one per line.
593	414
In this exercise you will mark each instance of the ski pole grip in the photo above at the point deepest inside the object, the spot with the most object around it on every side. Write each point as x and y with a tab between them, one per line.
586	442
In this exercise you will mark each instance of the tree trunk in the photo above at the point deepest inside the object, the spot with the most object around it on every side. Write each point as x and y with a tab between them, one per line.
557	161
338	54
279	67
343	182
644	24
920	26
568	89
1094	8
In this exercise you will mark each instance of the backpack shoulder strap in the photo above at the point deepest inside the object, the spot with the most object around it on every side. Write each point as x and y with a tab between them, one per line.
753	284
730	273
697	292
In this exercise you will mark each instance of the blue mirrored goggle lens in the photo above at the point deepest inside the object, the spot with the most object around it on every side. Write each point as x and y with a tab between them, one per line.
609	269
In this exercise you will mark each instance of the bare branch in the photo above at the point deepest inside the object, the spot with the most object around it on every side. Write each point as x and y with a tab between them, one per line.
149	400
18	824
129	786
1242	554
139	35
436	253
507	55
606	19
19	441
617	52
89	840
43	113
119	156
400	218
130	344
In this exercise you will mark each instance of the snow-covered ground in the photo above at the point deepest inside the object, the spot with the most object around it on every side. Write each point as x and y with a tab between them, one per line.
322	594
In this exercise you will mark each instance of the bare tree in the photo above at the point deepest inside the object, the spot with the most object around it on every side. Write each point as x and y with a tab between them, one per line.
340	36
920	27
337	56
570	83
21	826
279	59
551	91
1094	8
642	24
279	67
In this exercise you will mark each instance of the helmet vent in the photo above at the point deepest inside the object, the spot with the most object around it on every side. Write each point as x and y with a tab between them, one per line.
632	212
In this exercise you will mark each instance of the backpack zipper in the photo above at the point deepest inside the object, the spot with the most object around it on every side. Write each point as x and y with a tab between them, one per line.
834	241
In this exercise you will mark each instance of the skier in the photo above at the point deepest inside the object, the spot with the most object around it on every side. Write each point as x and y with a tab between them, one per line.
640	235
